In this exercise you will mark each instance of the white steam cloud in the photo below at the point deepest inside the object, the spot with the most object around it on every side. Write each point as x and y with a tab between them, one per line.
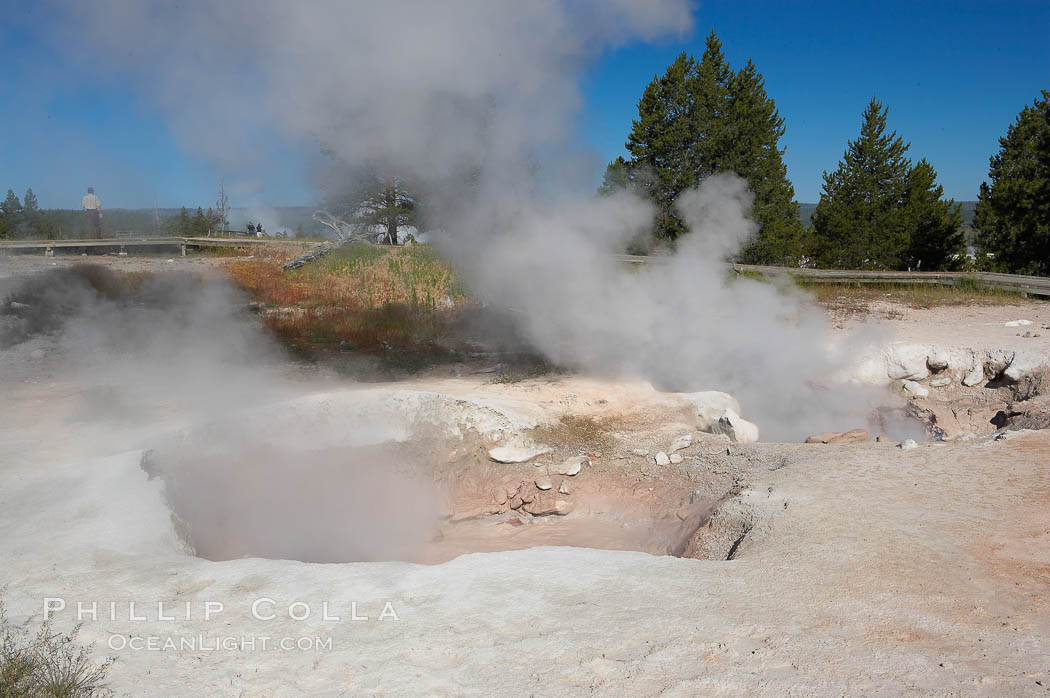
476	102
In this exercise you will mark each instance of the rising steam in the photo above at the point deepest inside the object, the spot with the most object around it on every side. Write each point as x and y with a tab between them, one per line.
477	102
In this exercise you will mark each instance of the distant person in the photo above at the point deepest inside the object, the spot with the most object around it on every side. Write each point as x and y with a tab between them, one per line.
251	230
92	214
259	230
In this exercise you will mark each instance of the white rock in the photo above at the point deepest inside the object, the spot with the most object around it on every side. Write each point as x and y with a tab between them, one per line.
937	360
675	458
681	442
974	377
709	405
572	466
906	361
640	452
735	427
908	444
915	389
517	454
1017	323
564	487
544	483
662	459
941	382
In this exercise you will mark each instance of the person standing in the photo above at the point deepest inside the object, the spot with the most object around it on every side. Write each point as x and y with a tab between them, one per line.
92	214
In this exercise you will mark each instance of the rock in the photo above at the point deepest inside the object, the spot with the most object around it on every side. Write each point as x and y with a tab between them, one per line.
1017	323
675	458
517	454
682	442
564	487
937	361
854	436
941	382
974	377
906	361
640	452
544	483
662	459
908	445
547	506
499	495
915	389
735	427
572	466
709	405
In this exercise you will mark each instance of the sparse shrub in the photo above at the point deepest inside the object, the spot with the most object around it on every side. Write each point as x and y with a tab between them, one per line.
47	663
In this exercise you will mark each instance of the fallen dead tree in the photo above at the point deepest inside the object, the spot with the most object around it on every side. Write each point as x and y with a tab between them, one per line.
345	233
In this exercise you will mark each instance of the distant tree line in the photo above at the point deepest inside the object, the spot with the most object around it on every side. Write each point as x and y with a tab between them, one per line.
878	209
24	219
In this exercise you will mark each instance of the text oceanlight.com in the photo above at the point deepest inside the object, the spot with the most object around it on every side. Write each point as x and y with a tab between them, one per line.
225	643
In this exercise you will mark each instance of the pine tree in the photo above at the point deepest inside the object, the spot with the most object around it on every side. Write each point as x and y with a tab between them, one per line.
661	140
182	224
29	204
755	129
11	205
859	221
701	118
1013	214
199	225
935	226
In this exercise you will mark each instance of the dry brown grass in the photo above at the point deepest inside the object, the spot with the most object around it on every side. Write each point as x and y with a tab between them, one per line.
375	300
858	299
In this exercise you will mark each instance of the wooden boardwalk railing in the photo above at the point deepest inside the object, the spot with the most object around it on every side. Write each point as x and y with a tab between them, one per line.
1028	285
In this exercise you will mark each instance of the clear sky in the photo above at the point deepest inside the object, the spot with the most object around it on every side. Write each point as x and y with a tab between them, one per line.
953	74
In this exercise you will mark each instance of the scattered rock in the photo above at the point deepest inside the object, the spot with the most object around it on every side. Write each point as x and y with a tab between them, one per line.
640	452
854	436
709	406
517	454
544	483
682	442
974	377
937	361
572	466
1017	323
908	445
941	382
675	458
564	487
547	506
499	495
906	361
662	459
915	389
735	427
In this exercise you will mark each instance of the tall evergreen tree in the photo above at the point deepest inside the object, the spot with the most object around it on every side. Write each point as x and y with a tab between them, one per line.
701	118
662	139
754	131
1013	214
29	204
199	225
859	222
935	225
11	205
877	211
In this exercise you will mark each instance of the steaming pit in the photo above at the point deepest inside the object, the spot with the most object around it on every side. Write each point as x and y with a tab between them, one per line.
387	474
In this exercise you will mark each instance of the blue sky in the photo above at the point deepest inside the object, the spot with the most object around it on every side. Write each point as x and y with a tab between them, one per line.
954	76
